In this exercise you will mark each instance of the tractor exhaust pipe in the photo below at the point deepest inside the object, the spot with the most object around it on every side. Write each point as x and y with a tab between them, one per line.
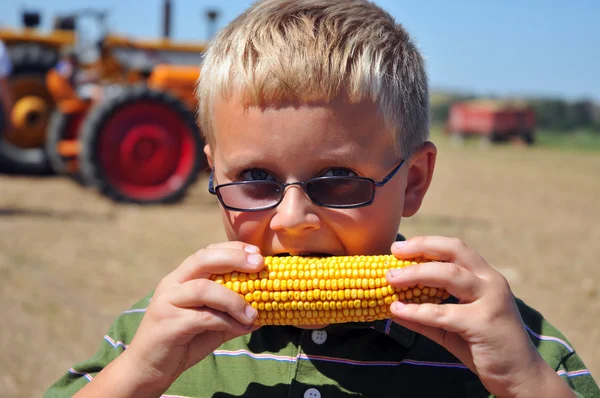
167	19
211	16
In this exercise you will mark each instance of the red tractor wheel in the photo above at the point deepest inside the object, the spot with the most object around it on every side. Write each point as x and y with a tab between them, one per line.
141	146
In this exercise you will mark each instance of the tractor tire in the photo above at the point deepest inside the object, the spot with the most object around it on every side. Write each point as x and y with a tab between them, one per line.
141	146
22	147
63	126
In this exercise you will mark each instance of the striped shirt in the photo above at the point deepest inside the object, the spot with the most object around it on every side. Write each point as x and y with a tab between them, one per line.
352	360
371	359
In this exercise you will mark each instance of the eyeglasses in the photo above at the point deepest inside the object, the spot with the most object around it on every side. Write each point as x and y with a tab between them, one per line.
328	191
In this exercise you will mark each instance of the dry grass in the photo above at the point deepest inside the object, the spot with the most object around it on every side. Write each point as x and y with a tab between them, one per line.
71	261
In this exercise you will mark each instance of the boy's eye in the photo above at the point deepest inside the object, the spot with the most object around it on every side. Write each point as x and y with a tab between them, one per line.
256	175
339	172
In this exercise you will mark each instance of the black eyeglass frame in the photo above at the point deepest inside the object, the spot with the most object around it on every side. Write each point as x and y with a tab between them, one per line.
282	186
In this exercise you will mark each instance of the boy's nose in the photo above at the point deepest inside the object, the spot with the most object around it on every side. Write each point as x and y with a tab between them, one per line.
295	214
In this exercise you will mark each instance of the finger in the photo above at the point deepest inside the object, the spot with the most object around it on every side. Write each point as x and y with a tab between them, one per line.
456	280
198	293
235	245
451	341
440	248
444	316
199	320
217	260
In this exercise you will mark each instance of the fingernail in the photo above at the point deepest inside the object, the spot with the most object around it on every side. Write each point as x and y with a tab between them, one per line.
399	245
398	305
254	259
394	272
250	312
251	249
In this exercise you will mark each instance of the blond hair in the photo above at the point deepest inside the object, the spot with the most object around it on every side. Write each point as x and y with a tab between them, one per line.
282	51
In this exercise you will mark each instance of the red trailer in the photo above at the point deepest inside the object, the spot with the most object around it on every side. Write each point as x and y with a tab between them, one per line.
497	121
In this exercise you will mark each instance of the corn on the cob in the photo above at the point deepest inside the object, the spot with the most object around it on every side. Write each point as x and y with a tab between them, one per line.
295	290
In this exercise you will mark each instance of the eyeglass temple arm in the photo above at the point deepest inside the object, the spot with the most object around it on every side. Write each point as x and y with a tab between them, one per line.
389	176
211	183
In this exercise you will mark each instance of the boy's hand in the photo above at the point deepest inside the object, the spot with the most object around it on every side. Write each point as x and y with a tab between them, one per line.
484	331
190	316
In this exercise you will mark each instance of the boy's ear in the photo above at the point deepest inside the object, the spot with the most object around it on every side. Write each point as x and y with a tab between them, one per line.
209	156
420	173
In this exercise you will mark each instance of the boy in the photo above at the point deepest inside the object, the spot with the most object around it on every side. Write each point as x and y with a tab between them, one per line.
305	102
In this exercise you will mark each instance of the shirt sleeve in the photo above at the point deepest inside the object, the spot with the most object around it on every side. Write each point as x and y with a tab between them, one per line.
5	63
115	341
558	352
578	377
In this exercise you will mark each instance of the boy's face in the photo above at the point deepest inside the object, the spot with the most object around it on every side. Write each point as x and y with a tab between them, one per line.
296	142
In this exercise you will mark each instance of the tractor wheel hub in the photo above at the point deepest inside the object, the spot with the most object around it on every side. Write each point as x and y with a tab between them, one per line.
29	113
145	149
147	153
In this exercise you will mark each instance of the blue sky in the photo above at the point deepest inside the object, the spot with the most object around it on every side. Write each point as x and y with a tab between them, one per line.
500	47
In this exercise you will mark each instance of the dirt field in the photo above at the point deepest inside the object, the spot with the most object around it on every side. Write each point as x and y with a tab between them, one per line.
71	261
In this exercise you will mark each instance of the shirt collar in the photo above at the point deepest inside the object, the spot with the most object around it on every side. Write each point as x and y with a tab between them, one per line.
399	334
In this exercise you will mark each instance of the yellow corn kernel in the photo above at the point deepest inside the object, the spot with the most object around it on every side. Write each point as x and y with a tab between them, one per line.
295	290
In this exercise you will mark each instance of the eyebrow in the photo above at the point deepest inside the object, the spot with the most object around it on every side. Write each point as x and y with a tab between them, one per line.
267	162
347	153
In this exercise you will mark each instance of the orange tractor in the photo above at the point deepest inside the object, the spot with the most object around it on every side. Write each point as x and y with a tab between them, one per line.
496	121
138	141
34	52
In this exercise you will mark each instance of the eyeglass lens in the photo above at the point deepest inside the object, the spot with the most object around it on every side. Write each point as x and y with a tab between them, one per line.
250	196
339	191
